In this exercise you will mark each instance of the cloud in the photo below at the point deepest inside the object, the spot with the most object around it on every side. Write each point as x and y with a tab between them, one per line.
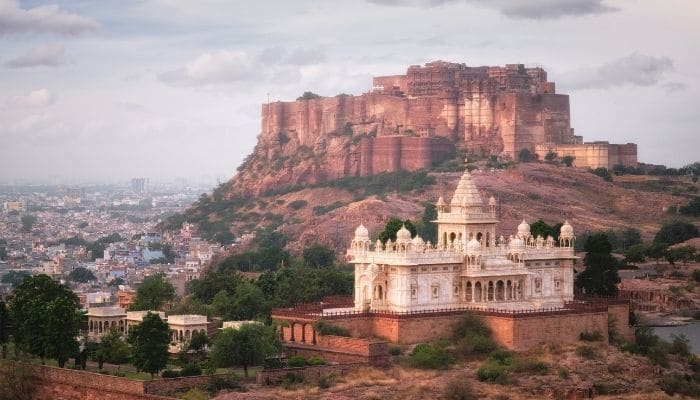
278	55
671	87
226	66
34	99
635	70
42	19
212	67
519	9
48	55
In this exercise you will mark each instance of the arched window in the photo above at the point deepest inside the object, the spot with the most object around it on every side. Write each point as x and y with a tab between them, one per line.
488	239
490	291
500	291
452	237
478	295
468	295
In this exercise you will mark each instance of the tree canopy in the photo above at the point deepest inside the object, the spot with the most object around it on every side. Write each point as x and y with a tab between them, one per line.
153	293
676	232
427	229
81	275
14	278
114	349
600	276
318	255
47	319
149	341
541	228
28	222
246	346
393	226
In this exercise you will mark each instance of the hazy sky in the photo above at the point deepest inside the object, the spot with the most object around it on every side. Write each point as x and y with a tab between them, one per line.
104	90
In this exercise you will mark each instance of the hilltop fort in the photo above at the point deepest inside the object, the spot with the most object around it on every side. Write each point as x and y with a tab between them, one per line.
418	119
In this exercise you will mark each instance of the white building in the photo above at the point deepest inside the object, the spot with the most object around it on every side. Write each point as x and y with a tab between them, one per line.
470	266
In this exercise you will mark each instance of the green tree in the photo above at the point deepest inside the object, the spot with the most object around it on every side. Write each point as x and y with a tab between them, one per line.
568	160
692	208
551	156
600	276
153	293
199	341
81	275
46	317
526	155
603	173
657	251
14	278
249	302
3	251
114	348
28	222
541	228
149	341
427	228
676	232
683	253
4	328
308	96
393	226
246	346
636	254
318	255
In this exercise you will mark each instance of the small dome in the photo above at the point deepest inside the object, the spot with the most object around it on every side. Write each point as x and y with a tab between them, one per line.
473	245
403	234
523	229
361	233
567	231
492	201
417	241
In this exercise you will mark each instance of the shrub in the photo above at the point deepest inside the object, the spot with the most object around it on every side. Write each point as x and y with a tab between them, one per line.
315	361
297	204
676	383
563	373
168	373
497	367
324	328
603	173
191	369
291	379
195	394
594	336
531	366
219	382
296	361
473	336
696	275
325	382
431	356
394	350
459	389
586	351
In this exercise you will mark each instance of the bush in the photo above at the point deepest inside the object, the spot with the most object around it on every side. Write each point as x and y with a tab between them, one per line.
473	336
296	361
603	173
531	366
324	328
325	382
587	352
297	204
563	373
315	361
696	275
497	367
594	336
168	373
195	394
191	369
219	382
675	383
394	350
459	389
431	356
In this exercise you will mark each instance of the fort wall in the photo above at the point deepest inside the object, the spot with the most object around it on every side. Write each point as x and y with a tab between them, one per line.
593	155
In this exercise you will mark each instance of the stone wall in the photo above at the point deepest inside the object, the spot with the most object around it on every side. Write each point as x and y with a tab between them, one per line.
593	155
65	384
276	376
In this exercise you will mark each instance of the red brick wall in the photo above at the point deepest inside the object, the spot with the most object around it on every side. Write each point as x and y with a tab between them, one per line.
65	384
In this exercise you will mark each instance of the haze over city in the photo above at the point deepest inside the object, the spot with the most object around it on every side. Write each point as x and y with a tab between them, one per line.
95	91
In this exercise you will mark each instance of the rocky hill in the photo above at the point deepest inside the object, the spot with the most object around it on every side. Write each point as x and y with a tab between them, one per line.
328	212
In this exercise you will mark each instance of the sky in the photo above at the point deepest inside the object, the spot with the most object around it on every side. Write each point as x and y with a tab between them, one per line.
108	90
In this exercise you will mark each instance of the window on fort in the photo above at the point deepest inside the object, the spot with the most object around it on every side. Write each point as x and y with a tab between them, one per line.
414	291
435	291
414	269
456	290
556	263
538	285
537	264
527	264
546	263
557	284
445	268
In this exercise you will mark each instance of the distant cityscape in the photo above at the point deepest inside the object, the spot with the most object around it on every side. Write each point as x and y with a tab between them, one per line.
107	229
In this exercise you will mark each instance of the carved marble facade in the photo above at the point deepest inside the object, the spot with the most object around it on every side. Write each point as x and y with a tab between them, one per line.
470	266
